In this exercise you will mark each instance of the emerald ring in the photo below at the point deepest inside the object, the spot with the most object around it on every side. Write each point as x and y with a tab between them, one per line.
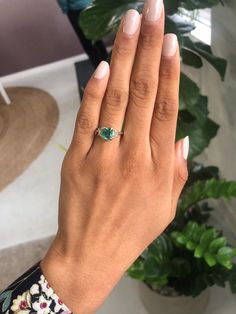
108	134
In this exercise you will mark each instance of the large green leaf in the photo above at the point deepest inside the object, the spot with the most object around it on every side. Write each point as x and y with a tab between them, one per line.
198	4
103	16
202	190
161	248
198	172
171	7
191	99
151	268
190	58
136	270
200	134
177	25
205	51
188	94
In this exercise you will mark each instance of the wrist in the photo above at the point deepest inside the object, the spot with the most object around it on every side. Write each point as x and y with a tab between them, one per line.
81	284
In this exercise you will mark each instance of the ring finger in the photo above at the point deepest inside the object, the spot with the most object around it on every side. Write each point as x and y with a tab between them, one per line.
117	93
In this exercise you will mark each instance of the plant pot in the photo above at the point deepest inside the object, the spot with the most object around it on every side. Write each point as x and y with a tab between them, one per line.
158	304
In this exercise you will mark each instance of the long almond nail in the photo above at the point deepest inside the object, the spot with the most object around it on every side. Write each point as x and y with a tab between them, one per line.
152	10
169	45
186	147
102	70
131	22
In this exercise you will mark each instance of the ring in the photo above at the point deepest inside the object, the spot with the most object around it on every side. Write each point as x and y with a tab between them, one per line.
108	134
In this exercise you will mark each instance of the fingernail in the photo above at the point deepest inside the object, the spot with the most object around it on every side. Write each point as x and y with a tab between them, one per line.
131	22
152	10
102	70
169	45
186	147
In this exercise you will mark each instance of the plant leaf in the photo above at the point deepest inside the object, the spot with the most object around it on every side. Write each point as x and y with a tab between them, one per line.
151	268
198	4
189	92
227	252
171	7
216	244
198	172
198	253
190	58
136	270
200	135
207	237
202	190
205	51
210	259
190	246
180	267
177	25
103	16
224	262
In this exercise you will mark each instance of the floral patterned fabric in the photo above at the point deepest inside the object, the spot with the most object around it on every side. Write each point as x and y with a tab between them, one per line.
31	293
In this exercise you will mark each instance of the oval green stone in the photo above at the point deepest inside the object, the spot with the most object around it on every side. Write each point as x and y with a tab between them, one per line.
107	133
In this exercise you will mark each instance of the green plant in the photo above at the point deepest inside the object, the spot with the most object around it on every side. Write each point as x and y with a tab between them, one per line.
190	255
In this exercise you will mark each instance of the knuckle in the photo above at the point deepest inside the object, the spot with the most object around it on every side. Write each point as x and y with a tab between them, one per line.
142	89
84	124
131	165
150	36
122	51
172	214
90	94
70	169
169	70
182	175
115	99
165	110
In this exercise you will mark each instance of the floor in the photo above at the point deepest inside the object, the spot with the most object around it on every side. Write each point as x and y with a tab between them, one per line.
32	198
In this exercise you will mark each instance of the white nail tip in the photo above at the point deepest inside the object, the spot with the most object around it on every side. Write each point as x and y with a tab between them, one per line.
186	147
102	70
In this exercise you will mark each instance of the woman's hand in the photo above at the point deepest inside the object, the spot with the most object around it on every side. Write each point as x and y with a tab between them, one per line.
118	196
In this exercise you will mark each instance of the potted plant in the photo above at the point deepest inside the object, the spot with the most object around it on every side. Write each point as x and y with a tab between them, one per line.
191	255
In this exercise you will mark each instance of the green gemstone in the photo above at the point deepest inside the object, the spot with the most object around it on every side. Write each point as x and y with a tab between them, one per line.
107	133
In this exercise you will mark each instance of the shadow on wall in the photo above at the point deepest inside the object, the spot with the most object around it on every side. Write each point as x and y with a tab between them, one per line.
34	33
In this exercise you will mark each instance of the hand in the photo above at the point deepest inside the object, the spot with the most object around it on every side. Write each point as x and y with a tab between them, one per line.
117	196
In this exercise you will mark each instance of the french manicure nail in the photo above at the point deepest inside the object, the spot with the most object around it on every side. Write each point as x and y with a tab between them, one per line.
169	45
131	22
186	147
152	10
102	70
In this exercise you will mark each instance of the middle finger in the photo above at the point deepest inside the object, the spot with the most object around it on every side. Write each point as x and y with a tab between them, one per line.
145	74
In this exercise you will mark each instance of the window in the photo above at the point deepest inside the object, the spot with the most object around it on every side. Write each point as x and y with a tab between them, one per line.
202	21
